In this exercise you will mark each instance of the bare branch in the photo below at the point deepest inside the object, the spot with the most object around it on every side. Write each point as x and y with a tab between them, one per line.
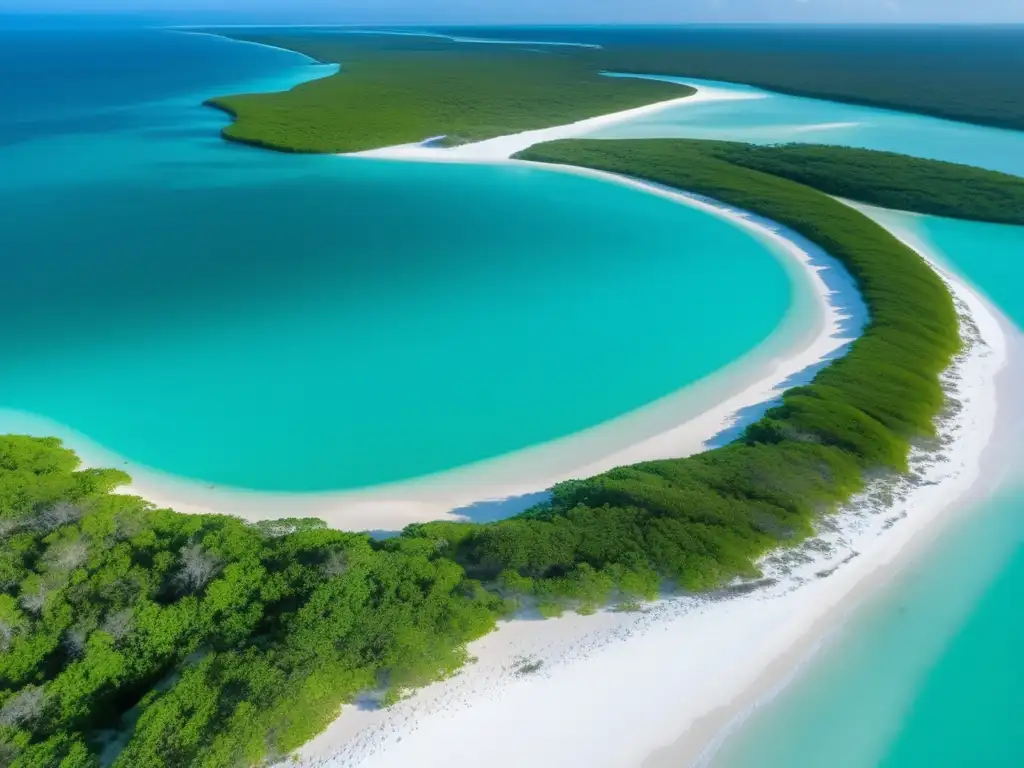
60	514
74	642
34	601
9	525
24	708
66	555
198	567
118	624
335	564
129	525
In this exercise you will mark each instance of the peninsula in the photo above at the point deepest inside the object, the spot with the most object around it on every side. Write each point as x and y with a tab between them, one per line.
387	95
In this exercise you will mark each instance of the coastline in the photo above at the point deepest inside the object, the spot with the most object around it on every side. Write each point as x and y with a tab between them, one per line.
975	473
688	421
623	674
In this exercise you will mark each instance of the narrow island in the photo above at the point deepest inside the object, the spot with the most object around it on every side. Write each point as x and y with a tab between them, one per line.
398	94
183	640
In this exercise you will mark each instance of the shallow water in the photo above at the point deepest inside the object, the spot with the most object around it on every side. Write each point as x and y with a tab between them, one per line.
290	323
929	674
763	117
926	675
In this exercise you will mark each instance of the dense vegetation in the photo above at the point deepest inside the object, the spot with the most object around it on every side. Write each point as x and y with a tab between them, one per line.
425	89
198	640
960	73
888	180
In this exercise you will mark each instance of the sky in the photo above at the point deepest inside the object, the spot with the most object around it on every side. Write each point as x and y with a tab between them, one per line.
543	11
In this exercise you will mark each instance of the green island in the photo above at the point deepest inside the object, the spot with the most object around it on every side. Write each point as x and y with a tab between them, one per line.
387	95
403	89
154	638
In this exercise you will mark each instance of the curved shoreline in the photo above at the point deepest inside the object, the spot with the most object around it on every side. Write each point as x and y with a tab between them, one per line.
681	423
977	457
623	674
328	70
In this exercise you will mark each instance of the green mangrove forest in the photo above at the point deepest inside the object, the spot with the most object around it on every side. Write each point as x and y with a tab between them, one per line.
388	95
887	180
179	640
137	636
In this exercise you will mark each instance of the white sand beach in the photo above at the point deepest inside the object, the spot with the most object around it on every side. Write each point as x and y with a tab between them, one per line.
657	689
504	147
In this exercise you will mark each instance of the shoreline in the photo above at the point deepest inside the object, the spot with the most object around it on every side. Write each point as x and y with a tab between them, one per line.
623	674
687	421
198	31
982	476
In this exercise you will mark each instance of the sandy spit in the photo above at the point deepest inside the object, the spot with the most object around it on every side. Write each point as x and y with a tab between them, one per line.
659	688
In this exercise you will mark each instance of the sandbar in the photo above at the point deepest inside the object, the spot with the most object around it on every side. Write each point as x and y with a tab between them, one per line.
660	688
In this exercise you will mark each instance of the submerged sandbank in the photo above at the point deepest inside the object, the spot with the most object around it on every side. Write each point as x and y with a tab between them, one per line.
660	687
827	314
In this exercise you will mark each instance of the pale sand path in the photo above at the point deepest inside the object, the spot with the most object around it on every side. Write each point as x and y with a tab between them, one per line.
656	689
827	315
504	147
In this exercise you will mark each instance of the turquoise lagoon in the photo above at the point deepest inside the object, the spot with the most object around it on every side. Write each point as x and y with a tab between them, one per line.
285	323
